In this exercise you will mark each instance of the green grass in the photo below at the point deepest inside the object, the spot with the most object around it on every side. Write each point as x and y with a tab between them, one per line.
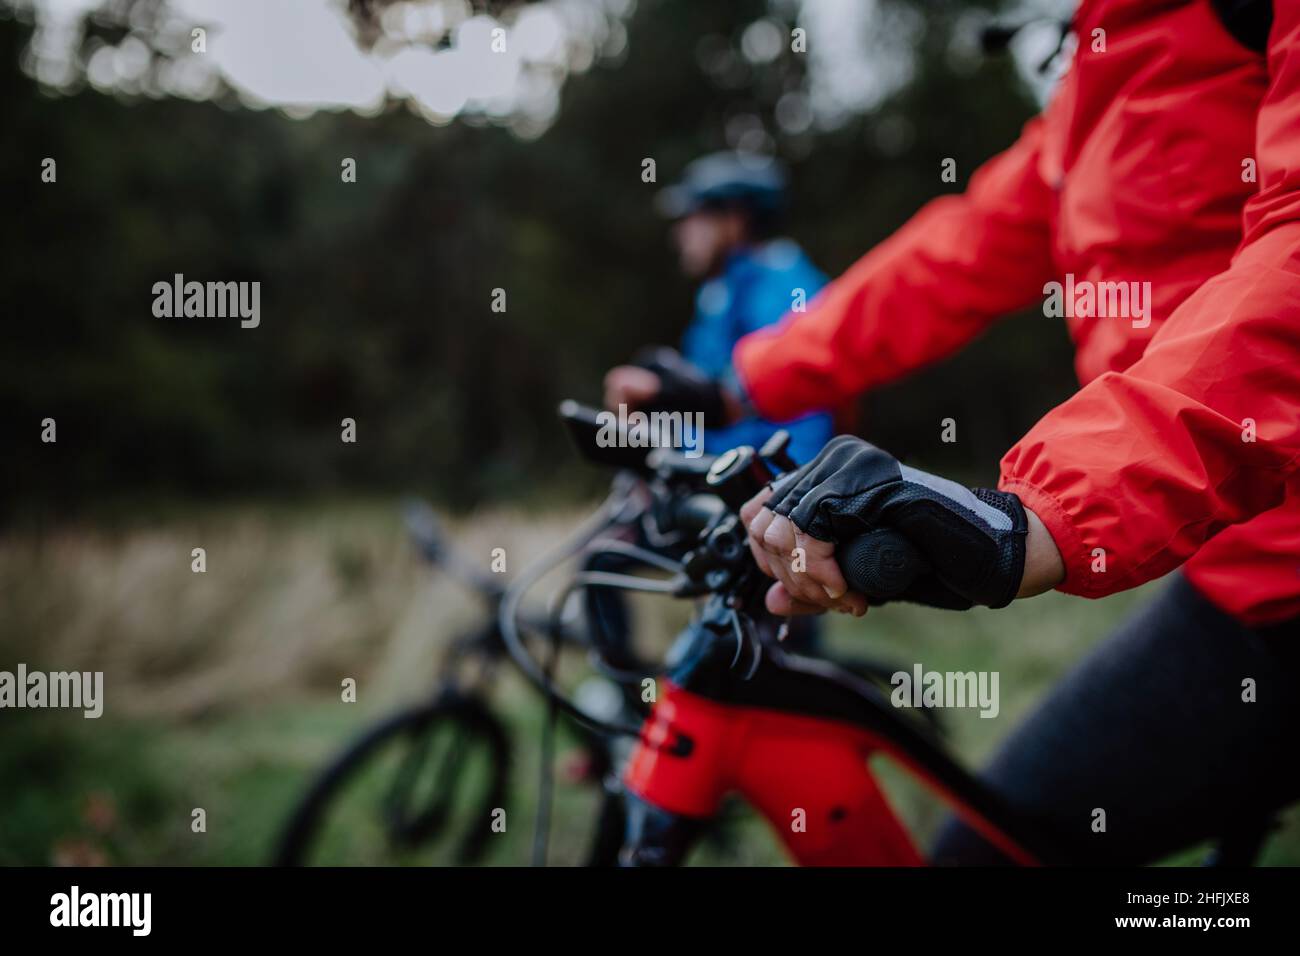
223	689
124	794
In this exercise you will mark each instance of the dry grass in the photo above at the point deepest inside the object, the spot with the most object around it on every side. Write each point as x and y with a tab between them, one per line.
290	603
222	687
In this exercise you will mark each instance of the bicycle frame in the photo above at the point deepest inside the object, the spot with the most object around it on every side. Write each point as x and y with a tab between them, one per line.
792	749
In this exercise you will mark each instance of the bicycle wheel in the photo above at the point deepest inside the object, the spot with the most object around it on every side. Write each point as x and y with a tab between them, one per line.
419	787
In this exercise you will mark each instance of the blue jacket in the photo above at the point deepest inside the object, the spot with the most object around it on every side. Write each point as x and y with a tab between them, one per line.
756	288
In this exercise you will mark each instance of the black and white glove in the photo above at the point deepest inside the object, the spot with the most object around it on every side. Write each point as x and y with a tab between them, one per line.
972	539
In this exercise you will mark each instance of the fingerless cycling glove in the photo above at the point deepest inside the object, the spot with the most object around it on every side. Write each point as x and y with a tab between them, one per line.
973	539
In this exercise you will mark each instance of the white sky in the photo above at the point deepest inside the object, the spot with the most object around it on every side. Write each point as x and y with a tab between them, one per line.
300	55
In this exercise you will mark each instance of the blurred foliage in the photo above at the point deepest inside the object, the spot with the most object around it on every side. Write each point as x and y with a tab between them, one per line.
376	295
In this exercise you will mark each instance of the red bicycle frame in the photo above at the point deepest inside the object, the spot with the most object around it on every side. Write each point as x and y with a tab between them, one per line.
810	777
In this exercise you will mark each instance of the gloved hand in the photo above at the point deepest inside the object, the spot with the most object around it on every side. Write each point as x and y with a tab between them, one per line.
683	387
973	540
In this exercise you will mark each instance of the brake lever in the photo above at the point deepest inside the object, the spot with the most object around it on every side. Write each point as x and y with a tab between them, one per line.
743	628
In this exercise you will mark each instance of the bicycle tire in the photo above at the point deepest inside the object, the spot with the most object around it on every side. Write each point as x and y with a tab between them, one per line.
469	713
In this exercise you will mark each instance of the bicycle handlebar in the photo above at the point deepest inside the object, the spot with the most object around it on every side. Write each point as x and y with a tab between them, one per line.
880	565
431	541
696	512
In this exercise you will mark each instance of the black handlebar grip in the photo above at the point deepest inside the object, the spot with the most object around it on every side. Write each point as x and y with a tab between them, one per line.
881	564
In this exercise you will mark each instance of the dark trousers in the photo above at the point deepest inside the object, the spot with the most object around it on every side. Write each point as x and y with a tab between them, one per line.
1152	728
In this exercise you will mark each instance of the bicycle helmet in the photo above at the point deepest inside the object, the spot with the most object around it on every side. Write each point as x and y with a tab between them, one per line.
727	180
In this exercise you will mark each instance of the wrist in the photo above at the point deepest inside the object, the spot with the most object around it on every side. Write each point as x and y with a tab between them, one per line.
1044	568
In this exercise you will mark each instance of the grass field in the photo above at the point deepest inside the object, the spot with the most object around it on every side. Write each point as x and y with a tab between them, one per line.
223	688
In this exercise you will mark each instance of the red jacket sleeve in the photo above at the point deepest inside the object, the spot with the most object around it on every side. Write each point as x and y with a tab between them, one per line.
1149	463
960	263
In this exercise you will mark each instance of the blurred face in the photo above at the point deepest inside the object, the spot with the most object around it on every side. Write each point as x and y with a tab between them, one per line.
704	239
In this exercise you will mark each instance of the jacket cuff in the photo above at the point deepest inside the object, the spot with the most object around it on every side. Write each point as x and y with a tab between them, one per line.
761	395
1080	579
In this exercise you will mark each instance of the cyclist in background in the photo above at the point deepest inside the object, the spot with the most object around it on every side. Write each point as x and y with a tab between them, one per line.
727	212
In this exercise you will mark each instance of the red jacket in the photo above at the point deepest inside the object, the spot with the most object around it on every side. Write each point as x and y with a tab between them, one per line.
1138	171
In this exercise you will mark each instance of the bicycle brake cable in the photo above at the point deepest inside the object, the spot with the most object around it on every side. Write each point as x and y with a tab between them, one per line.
606	515
586	579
